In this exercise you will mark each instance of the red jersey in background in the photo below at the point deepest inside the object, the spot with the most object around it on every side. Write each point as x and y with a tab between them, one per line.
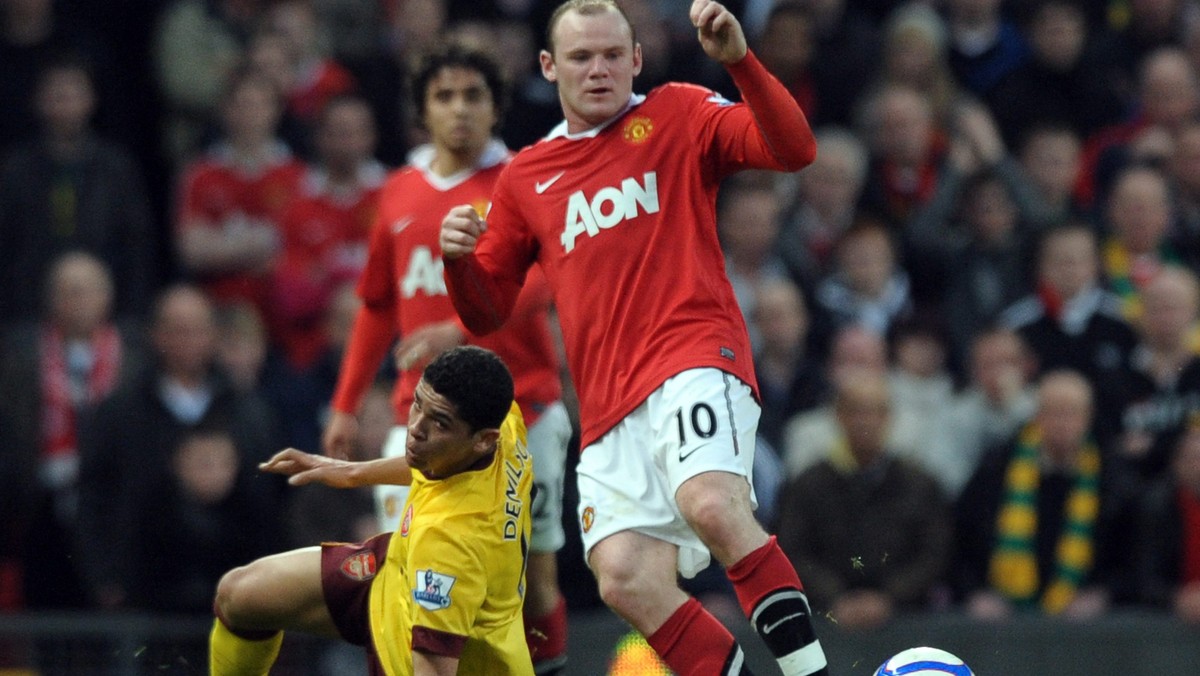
223	194
403	280
325	233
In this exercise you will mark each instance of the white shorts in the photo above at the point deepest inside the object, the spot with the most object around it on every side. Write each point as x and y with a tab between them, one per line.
700	420
548	440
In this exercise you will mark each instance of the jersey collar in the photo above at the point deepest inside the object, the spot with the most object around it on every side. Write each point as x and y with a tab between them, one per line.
560	130
421	158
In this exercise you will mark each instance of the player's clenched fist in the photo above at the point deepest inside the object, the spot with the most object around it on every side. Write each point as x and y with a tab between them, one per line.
719	31
461	229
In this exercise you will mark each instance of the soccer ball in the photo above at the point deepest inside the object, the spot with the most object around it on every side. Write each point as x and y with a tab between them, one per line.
923	662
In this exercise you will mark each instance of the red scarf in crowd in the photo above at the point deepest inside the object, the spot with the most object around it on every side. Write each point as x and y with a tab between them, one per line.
58	407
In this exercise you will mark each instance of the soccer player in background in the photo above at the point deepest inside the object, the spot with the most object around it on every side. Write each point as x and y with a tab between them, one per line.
617	206
441	595
460	95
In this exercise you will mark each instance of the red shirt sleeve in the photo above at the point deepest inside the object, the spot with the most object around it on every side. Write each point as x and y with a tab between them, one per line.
769	132
484	286
374	325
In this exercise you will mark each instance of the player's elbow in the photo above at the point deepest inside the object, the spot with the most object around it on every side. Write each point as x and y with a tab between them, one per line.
800	155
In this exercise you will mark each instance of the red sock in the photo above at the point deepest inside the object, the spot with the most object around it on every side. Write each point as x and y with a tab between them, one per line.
761	572
771	595
693	643
546	636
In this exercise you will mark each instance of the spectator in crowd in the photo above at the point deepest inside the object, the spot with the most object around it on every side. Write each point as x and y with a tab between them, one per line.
52	373
871	532
325	229
995	403
1167	549
984	46
1059	84
267	54
198	45
35	33
868	287
748	227
1149	404
316	78
919	380
1071	321
1148	26
825	204
974	238
908	150
811	435
210	505
254	368
914	55
790	379
1183	171
1168	95
1051	156
1139	213
1038	524
227	229
66	188
124	451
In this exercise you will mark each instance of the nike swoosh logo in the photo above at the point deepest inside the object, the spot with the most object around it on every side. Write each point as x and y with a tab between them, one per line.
685	456
771	627
400	224
540	187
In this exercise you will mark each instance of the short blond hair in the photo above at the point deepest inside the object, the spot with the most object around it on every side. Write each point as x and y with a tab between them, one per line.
585	8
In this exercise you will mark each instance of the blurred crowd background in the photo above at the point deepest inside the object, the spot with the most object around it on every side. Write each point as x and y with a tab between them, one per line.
975	316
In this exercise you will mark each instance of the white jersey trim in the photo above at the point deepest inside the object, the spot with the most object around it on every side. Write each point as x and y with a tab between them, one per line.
560	130
421	159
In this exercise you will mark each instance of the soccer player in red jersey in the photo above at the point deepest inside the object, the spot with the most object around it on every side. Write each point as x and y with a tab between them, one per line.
459	93
617	206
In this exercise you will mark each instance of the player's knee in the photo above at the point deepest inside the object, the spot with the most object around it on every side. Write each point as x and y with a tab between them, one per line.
714	517
231	599
626	588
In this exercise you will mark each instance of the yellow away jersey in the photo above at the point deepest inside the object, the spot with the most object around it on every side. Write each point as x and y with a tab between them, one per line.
457	564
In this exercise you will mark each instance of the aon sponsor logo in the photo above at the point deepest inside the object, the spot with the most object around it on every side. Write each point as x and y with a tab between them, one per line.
608	207
424	273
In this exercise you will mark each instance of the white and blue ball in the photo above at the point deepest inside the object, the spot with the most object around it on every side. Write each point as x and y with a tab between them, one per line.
924	662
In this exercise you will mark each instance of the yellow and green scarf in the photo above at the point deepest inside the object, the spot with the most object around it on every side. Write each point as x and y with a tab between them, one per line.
1118	268
1013	570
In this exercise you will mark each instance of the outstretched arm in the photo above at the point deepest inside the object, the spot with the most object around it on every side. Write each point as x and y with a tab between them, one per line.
784	140
305	468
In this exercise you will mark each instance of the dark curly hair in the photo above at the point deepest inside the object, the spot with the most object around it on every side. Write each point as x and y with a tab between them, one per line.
476	382
456	55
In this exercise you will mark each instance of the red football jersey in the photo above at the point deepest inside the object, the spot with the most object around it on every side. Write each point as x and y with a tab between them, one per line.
218	191
622	220
325	234
403	277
